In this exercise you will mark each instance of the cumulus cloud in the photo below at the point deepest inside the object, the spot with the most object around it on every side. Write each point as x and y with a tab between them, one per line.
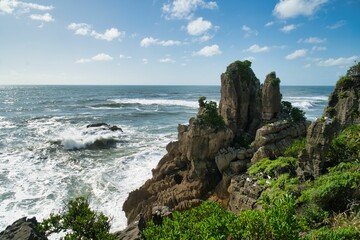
86	29
318	48
338	61
208	51
101	57
294	8
122	56
167	60
296	54
45	17
288	28
198	26
149	41
257	49
145	61
312	40
11	6
248	31
184	9
338	24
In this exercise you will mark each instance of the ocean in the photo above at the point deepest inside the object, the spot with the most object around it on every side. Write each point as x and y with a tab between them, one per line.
48	155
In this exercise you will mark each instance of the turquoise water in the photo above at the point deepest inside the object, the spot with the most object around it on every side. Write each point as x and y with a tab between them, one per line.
47	154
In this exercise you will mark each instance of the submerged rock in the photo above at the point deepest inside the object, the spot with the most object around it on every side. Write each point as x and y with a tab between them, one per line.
22	229
105	126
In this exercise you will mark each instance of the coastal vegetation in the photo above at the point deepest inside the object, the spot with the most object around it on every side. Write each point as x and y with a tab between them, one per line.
209	115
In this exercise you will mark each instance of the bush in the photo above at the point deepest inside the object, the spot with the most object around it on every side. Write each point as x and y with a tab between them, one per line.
295	149
293	114
78	221
335	190
281	186
346	147
273	167
209	115
346	233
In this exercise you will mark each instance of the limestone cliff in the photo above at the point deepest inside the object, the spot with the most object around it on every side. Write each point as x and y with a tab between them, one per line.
240	102
343	110
185	175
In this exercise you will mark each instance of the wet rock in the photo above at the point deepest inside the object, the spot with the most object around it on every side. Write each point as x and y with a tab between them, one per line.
22	229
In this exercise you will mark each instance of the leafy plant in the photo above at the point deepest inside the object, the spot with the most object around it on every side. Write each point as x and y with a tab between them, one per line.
295	149
273	167
293	114
209	115
78	221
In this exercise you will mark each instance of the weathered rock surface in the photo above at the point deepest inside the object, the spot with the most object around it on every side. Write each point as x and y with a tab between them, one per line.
343	110
22	229
271	97
244	192
240	102
272	139
185	175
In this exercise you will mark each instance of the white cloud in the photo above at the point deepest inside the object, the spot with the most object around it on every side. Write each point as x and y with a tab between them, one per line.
307	65
145	61
318	48
148	41
257	49
268	24
45	18
338	24
167	60
312	40
248	31
205	38
208	51
101	57
338	61
198	26
288	28
298	53
86	29
108	35
122	56
295	8
10	6
184	9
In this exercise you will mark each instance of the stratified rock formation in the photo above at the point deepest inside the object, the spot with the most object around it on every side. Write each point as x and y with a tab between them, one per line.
240	102
342	111
185	175
22	229
206	160
271	97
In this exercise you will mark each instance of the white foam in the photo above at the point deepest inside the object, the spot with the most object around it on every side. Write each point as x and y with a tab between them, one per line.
164	102
4	123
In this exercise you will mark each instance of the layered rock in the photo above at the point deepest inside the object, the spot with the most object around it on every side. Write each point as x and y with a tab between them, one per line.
22	229
343	110
240	102
185	175
271	97
272	139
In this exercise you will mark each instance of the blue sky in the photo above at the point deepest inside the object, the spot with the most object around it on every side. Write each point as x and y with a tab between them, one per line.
150	42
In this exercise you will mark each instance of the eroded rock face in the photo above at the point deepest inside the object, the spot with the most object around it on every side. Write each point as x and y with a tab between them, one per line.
184	176
272	139
271	97
240	103
342	111
22	229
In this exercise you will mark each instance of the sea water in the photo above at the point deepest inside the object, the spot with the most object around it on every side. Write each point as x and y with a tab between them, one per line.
48	155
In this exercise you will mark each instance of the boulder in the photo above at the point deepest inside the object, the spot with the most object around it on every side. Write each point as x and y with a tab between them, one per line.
22	229
271	97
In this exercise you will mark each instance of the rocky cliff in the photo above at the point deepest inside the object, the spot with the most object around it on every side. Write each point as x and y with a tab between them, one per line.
343	110
207	159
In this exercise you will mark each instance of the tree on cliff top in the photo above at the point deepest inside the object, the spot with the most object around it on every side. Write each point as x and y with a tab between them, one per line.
209	115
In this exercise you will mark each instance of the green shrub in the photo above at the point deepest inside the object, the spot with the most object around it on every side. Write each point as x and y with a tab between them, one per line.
312	216
293	114
209	115
346	146
281	186
325	233
295	149
273	167
78	221
345	82
335	190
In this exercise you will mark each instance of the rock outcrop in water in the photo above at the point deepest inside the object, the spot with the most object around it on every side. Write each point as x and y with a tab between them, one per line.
206	160
342	111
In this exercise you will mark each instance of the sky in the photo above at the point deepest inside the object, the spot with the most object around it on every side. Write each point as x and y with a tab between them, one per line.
175	42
